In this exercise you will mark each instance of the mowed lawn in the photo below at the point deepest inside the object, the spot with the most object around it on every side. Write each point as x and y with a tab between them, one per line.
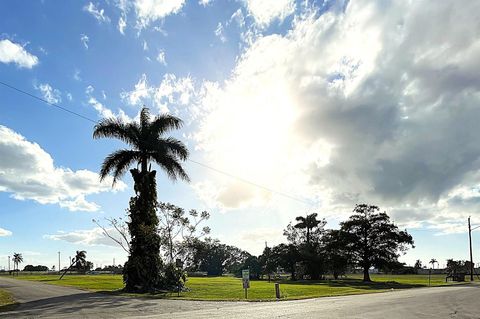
5	299
230	288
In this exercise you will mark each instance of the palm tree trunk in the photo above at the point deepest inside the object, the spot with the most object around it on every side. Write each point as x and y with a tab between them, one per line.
143	270
66	270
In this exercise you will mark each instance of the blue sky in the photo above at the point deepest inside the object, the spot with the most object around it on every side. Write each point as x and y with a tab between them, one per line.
332	103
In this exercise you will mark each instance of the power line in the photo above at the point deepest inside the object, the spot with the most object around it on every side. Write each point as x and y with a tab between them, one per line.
190	160
45	101
251	183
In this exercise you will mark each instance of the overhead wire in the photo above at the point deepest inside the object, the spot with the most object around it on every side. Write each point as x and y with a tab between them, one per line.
190	160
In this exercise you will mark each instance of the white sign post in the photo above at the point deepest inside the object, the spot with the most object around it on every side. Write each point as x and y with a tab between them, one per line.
246	280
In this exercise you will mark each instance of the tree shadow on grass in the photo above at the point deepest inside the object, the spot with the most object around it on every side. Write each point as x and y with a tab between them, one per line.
121	292
357	284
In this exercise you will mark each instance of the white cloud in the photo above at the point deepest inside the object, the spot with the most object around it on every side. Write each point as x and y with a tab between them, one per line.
43	50
102	110
266	11
76	75
205	2
80	204
29	173
50	94
122	24
140	92
250	239
238	17
220	32
151	10
5	233
357	105
90	237
14	53
84	38
161	57
171	93
98	14
145	45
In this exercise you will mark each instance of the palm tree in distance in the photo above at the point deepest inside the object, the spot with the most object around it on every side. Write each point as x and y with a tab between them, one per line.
143	270
79	260
309	222
17	259
433	261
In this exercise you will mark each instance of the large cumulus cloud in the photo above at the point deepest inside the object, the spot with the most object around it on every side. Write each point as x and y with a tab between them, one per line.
373	101
28	172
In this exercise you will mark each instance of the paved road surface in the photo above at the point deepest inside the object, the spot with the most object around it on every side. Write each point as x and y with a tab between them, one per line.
47	301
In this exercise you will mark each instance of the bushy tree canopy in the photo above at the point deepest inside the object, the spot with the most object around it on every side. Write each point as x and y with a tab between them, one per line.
372	239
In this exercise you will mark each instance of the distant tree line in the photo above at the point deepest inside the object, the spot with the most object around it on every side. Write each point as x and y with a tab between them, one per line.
35	268
366	239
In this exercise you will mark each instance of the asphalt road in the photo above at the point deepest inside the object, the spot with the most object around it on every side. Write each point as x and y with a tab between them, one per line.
47	301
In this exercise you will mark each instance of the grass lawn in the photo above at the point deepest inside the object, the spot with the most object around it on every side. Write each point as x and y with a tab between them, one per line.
6	300
229	288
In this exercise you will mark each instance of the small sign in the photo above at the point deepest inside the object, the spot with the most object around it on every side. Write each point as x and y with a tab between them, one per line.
246	278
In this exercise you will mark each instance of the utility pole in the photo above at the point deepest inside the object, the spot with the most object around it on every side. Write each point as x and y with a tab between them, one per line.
59	269
8	263
470	240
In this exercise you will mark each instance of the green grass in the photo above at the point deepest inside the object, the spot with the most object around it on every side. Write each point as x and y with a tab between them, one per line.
88	282
6	300
229	288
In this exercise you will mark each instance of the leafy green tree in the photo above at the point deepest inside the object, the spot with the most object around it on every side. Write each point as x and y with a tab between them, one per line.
267	263
286	256
143	270
251	263
209	256
79	261
418	264
306	234
177	229
372	239
457	266
215	258
337	257
35	268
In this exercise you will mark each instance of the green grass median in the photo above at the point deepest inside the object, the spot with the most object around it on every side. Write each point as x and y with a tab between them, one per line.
230	288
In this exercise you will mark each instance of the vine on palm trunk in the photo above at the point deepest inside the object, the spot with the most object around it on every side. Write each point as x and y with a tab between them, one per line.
143	272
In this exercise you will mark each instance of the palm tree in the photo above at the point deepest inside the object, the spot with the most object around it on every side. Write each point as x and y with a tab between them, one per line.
309	222
17	259
433	261
79	260
142	272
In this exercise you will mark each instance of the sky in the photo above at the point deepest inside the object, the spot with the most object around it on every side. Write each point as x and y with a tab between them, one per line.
289	107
